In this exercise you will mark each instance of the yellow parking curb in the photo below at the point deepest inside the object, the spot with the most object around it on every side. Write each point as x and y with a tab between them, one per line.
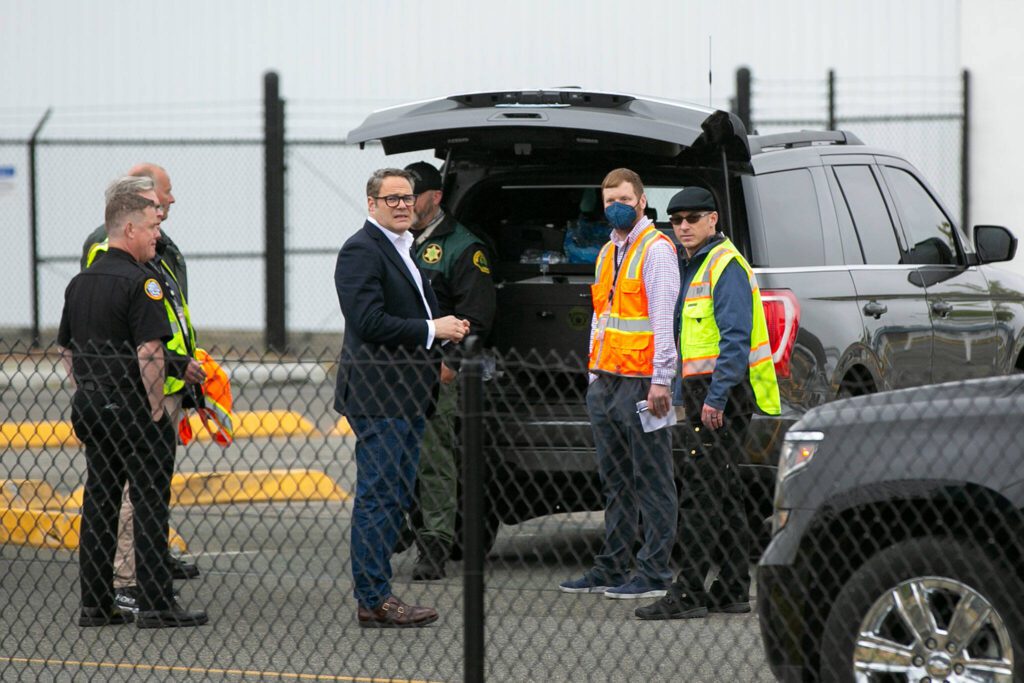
33	513
270	423
46	433
256	486
29	494
248	423
40	528
53	529
342	428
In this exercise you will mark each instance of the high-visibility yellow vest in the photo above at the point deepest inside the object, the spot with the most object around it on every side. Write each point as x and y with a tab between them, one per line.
180	343
626	345
699	334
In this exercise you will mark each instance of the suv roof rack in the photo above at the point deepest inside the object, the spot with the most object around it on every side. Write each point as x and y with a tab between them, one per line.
802	138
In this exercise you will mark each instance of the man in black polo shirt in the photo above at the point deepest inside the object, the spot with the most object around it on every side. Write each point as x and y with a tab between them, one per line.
112	331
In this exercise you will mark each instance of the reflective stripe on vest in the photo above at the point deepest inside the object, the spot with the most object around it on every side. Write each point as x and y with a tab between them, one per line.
178	343
627	345
699	334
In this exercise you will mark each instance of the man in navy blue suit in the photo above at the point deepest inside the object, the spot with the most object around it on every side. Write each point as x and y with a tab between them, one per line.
387	383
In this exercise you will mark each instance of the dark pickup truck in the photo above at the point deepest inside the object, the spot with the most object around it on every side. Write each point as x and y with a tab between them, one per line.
868	283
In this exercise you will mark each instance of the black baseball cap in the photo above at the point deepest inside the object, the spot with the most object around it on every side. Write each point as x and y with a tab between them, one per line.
692	199
425	177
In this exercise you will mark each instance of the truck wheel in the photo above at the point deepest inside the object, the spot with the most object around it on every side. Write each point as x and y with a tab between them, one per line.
931	609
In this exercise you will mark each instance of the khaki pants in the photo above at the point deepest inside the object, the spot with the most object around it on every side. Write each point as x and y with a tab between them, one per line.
124	558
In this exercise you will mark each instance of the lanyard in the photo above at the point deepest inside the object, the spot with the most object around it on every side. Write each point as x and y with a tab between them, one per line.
615	272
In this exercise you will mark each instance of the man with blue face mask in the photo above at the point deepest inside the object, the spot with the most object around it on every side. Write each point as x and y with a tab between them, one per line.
632	359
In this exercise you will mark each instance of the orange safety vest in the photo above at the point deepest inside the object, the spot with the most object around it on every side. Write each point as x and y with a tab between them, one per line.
215	404
623	341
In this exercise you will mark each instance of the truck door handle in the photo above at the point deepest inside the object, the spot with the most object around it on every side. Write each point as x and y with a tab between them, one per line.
544	315
873	308
942	308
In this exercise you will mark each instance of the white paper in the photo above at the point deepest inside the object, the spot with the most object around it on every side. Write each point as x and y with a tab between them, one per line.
651	423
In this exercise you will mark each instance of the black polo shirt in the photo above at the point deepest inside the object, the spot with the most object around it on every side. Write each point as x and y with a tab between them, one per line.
110	311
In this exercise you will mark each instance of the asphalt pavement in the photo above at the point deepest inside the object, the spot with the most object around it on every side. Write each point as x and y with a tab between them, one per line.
276	580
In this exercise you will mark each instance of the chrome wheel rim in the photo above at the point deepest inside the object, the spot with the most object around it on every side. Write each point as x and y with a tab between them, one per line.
932	629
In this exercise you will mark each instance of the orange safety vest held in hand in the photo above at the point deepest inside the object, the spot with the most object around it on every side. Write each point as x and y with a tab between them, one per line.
623	342
215	404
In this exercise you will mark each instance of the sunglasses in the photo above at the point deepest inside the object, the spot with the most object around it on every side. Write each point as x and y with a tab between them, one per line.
691	219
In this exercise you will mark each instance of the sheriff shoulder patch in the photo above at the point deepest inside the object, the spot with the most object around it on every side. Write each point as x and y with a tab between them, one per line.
153	290
480	261
432	254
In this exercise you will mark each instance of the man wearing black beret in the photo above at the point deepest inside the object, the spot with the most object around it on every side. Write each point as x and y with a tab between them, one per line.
726	374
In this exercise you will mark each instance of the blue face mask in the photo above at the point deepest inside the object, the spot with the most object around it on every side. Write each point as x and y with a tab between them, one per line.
620	216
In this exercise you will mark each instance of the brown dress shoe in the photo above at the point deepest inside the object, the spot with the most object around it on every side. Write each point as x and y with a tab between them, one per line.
393	613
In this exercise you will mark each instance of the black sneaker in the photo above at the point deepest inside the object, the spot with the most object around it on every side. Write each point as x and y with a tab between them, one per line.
720	600
673	607
97	616
127	599
182	570
173	617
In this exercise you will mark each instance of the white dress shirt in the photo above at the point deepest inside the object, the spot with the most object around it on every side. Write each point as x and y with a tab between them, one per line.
403	244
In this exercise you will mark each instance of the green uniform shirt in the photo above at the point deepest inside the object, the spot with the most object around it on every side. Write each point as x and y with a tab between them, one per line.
459	267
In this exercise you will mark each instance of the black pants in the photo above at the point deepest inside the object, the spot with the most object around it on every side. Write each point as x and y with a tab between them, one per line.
122	443
713	525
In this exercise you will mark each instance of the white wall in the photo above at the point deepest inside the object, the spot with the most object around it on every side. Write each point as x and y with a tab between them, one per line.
194	68
993	50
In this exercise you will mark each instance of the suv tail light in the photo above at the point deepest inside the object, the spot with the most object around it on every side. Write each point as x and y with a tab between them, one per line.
782	313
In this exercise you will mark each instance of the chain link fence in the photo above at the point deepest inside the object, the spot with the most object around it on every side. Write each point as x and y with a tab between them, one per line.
921	117
895	553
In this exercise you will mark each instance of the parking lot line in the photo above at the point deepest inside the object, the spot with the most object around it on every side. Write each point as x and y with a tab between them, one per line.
279	675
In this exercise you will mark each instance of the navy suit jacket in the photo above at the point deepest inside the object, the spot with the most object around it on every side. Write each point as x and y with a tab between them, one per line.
385	369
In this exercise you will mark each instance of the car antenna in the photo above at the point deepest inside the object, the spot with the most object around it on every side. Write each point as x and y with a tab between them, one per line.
709	70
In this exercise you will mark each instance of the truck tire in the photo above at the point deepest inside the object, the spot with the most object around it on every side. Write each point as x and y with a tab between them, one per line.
928	608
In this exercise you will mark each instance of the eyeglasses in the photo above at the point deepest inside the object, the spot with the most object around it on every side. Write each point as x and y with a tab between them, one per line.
393	200
691	219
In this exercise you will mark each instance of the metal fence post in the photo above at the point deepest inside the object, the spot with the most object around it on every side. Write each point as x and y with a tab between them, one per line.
743	96
274	169
473	466
33	220
831	99
965	153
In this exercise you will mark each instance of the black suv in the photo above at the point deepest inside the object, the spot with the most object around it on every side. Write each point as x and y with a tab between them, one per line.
868	283
898	552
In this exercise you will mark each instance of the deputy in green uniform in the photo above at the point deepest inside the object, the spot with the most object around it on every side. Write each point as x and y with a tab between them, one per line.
459	268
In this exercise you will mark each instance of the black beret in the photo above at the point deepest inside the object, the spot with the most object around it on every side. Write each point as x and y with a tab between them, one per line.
692	199
425	177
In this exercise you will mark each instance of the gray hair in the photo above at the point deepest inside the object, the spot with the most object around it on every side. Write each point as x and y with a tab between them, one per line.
377	179
129	184
124	199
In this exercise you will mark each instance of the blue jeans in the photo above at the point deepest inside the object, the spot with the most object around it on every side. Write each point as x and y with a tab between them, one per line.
637	479
387	455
